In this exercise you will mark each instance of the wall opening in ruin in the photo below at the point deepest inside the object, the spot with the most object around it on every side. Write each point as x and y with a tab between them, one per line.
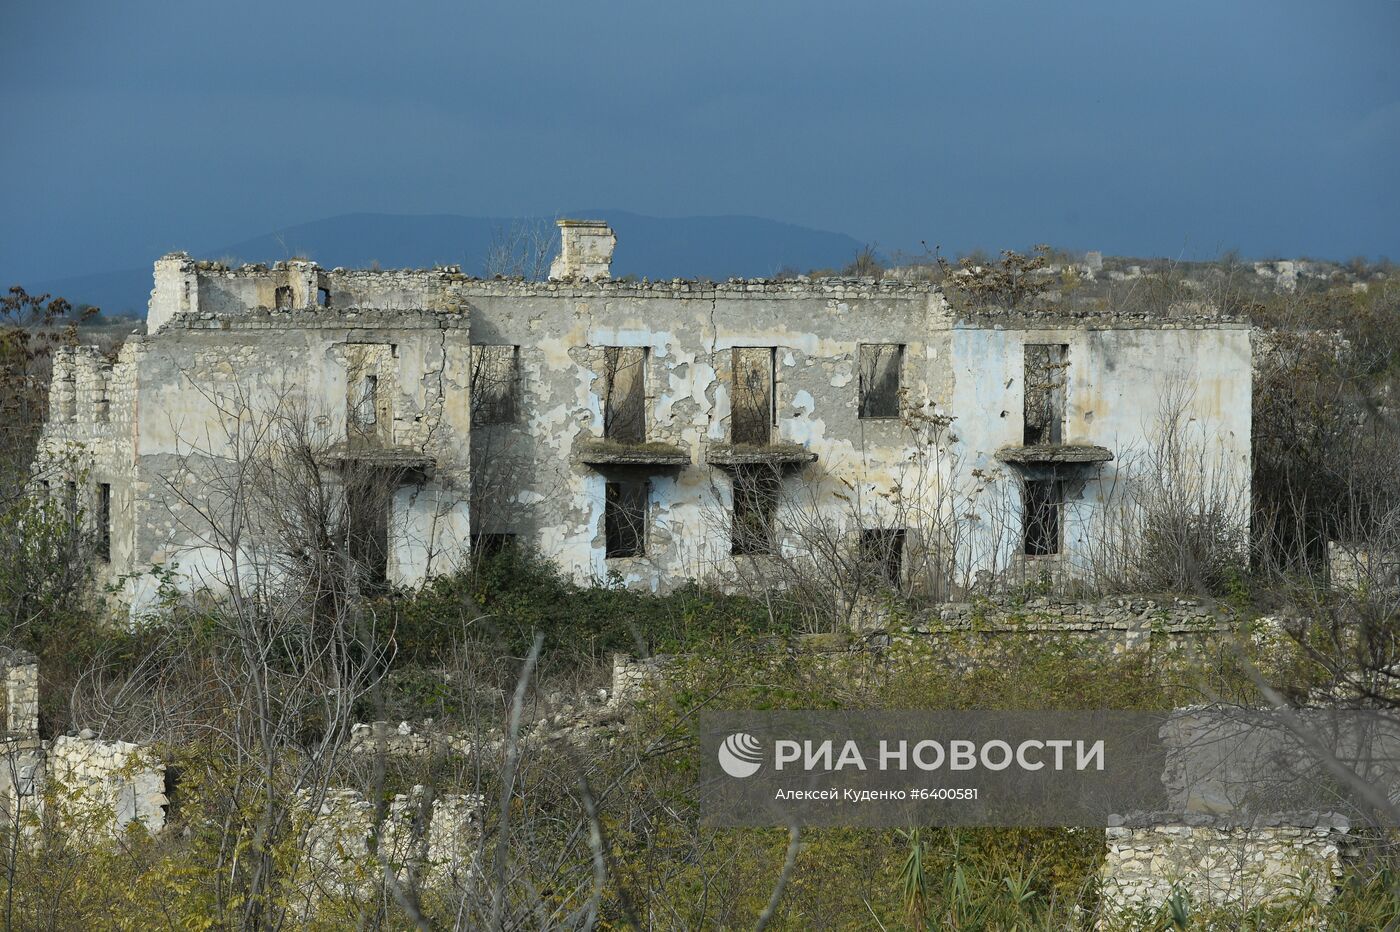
363	412
367	495
489	545
323	297
102	407
624	394
1045	377
880	365
495	384
104	522
752	405
755	504
67	396
283	297
883	548
370	370
1042	516
624	519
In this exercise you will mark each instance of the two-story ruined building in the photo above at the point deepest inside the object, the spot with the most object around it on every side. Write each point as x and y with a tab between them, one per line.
660	431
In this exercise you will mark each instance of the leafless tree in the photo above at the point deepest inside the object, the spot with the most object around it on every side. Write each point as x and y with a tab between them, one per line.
1174	517
522	250
266	495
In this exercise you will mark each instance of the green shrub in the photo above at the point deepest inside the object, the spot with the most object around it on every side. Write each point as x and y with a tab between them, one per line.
504	598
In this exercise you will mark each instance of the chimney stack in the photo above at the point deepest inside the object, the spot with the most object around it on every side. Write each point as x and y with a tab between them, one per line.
585	250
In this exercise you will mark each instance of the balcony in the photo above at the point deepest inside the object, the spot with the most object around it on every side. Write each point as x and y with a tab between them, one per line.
601	454
773	455
397	460
1055	454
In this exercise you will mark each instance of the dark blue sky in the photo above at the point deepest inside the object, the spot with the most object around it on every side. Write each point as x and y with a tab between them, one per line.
1166	128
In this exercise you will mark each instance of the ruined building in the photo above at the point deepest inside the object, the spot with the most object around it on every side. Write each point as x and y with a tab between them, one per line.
652	431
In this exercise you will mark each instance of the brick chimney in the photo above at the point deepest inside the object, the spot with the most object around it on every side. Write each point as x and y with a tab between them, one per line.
585	250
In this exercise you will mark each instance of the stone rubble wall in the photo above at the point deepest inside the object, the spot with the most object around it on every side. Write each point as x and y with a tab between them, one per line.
20	672
633	675
185	285
971	634
405	740
116	777
1359	569
22	753
1294	859
89	438
21	781
574	719
965	633
434	837
1124	624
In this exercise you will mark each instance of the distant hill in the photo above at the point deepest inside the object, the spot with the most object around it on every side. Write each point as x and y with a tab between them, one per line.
652	247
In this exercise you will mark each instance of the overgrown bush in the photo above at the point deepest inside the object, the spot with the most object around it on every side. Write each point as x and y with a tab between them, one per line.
503	599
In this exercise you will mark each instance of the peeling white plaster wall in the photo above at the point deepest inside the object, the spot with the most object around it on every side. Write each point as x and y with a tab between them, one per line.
210	327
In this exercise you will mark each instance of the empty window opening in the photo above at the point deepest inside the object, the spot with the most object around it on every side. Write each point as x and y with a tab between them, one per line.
1042	517
487	546
624	519
362	412
495	384
367	528
755	503
323	297
68	398
624	394
880	365
103	407
883	548
283	296
752	411
1046	374
104	522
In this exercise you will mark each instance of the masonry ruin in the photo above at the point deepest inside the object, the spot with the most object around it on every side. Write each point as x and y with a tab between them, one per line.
108	787
647	431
